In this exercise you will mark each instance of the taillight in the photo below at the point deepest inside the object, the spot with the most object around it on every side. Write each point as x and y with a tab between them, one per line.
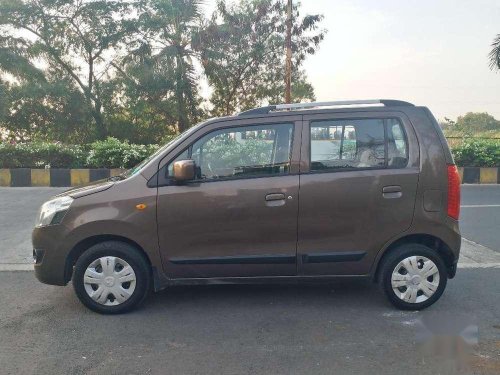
453	192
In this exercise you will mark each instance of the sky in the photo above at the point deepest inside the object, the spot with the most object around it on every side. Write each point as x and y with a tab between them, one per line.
428	52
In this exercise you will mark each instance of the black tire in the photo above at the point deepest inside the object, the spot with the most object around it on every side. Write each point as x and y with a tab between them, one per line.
390	262
130	255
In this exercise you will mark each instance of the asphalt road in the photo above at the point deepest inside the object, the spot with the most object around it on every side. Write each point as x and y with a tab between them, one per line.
342	328
480	214
19	207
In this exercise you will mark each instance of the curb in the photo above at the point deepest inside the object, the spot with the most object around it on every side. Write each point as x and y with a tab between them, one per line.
23	267
479	175
53	177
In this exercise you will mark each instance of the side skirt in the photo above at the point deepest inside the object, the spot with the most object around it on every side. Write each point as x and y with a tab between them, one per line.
162	282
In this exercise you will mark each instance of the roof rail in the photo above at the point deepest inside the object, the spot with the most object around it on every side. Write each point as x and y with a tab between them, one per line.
295	106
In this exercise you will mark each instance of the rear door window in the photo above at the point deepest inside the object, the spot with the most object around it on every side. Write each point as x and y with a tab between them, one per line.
357	144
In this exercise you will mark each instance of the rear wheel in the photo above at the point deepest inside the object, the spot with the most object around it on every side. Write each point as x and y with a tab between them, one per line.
111	277
413	277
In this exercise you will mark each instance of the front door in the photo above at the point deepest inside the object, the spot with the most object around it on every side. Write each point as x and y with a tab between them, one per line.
238	217
357	190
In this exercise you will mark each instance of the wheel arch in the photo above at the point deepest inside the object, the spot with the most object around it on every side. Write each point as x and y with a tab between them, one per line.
88	242
428	240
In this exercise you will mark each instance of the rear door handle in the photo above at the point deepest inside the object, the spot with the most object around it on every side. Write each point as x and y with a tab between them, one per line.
275	197
391	192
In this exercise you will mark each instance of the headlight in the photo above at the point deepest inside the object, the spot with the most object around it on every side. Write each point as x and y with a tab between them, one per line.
53	211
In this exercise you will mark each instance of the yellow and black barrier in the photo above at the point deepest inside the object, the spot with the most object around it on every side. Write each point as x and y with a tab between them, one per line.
477	175
61	177
55	177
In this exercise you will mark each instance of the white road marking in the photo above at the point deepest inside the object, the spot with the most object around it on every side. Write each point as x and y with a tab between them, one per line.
16	267
480	205
478	265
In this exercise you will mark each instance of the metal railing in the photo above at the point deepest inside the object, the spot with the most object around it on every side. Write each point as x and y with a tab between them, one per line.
339	103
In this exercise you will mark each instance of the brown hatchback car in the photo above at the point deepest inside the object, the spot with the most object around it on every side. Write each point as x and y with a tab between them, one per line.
282	193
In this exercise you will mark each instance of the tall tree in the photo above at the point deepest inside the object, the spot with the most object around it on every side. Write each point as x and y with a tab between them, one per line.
494	55
475	122
163	64
75	38
242	50
46	111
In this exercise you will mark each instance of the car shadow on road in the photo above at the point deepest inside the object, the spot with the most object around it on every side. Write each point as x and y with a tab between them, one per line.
343	293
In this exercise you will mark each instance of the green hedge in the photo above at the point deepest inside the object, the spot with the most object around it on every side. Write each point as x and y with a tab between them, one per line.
113	153
477	153
110	153
38	155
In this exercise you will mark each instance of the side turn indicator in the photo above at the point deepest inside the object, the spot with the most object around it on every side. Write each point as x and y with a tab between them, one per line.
141	206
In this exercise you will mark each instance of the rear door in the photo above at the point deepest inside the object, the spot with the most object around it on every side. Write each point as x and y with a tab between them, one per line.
357	189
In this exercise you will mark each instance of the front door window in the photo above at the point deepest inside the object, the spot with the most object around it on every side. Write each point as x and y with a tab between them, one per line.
241	152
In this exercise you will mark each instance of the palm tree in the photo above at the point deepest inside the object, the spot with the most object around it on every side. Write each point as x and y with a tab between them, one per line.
494	55
168	27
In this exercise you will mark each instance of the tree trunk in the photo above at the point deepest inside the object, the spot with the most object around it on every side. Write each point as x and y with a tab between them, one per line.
182	120
99	122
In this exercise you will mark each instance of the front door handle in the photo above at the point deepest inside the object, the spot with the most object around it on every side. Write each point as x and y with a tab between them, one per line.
392	191
275	200
275	197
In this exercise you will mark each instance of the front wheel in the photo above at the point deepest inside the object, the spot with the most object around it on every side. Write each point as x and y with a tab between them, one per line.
111	277
413	277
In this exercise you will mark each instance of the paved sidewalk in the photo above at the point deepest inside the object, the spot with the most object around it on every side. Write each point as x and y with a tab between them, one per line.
474	255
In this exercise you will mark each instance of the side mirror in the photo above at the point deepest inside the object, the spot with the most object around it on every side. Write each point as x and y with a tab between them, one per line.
184	170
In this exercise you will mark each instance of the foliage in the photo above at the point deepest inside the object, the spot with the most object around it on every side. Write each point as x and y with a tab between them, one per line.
494	55
110	153
477	122
77	71
41	154
46	111
242	52
221	153
158	76
113	153
472	124
477	153
72	37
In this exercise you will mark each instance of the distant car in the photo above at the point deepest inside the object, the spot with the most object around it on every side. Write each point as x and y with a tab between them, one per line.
275	194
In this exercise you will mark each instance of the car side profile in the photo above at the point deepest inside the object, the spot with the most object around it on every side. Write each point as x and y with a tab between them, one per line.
292	192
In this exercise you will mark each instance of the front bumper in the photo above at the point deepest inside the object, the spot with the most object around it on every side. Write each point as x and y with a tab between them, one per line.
51	254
